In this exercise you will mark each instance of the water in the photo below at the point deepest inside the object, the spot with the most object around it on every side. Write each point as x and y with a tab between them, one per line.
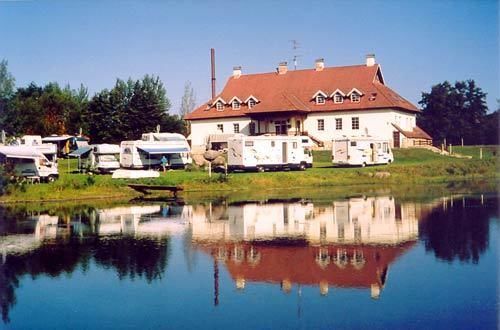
362	262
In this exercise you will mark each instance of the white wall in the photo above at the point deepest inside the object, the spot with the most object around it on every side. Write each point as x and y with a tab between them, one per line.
201	129
372	122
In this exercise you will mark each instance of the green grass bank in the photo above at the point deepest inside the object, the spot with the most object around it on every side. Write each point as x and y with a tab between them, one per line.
411	167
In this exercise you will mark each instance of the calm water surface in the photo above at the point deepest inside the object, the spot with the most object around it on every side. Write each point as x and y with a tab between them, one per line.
363	262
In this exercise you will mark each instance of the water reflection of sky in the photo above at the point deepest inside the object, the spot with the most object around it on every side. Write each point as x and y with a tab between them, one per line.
296	263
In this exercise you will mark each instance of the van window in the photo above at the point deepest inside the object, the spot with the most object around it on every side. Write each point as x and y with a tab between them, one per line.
248	143
386	147
294	145
127	151
353	143
305	141
273	144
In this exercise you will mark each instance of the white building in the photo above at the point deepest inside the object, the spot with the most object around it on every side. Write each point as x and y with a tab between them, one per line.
323	103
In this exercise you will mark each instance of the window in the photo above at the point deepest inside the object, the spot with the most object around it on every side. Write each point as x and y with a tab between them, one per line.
252	128
220	127
236	128
355	122
338	123
355	97
273	144
338	98
248	143
219	106
236	105
294	145
353	143
321	124
251	103
320	99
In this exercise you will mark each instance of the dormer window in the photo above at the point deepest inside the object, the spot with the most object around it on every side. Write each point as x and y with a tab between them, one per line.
219	106
355	97
251	103
236	105
337	96
320	99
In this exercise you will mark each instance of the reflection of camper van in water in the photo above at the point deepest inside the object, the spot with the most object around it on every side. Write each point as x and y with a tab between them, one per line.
149	151
361	151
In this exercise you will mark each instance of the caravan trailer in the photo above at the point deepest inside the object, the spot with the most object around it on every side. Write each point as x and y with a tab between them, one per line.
148	152
104	158
361	151
267	152
35	142
28	163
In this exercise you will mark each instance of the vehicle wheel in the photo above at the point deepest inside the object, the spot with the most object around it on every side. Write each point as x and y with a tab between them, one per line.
363	165
302	167
51	178
260	169
389	161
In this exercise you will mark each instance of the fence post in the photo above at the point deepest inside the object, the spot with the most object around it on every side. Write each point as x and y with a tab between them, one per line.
480	153
462	141
451	149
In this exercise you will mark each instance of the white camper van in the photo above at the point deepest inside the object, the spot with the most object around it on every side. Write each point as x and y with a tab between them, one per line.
361	151
35	142
149	151
28	163
265	152
104	158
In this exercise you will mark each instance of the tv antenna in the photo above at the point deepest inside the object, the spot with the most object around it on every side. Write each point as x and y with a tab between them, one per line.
295	47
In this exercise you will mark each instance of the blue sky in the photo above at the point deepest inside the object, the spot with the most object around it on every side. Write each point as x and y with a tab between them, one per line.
418	43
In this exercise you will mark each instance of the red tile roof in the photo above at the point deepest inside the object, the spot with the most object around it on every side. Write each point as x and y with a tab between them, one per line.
416	133
293	91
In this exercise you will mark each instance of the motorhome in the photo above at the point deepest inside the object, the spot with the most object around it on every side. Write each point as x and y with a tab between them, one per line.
35	142
104	158
149	151
268	152
361	151
26	162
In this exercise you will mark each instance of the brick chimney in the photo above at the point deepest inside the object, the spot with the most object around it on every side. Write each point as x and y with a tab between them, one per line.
370	59
320	64
282	68
236	72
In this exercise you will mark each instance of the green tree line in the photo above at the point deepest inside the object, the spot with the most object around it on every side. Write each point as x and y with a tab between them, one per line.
123	112
458	113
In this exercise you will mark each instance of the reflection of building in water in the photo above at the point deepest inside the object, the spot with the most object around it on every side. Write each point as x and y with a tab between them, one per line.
348	243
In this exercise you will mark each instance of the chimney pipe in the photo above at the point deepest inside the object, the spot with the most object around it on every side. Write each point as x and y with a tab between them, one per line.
212	66
370	59
320	64
282	68
236	72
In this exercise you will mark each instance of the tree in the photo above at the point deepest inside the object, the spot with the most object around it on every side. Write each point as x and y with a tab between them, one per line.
454	112
130	109
7	86
45	110
188	101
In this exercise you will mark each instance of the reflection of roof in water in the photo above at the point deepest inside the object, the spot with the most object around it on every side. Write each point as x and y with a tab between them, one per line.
338	265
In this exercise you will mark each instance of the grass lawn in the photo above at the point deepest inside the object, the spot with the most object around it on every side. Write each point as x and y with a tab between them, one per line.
411	167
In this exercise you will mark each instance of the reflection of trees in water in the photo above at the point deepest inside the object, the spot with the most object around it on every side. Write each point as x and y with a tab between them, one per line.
131	257
458	232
